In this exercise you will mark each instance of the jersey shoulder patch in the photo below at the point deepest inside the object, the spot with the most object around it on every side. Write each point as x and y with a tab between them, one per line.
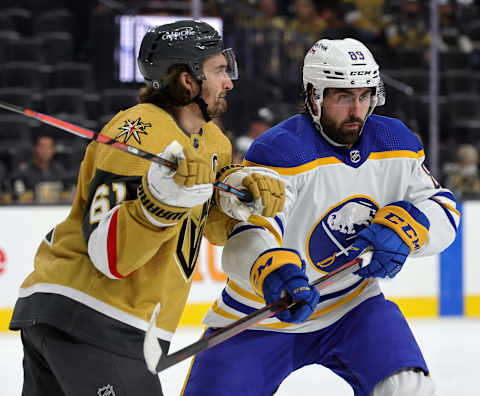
144	126
139	125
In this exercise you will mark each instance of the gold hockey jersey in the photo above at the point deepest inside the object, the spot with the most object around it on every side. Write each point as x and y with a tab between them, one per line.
106	266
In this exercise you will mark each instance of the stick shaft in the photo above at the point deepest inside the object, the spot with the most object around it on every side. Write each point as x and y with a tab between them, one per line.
248	321
91	135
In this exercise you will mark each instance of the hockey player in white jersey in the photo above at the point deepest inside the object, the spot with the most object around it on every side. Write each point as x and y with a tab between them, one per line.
354	181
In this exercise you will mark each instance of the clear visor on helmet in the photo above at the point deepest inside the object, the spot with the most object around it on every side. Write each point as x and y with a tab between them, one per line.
377	93
232	68
380	93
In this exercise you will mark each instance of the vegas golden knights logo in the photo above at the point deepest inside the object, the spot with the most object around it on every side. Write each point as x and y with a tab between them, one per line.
190	239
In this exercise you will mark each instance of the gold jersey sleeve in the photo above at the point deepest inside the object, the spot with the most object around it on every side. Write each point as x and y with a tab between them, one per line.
151	264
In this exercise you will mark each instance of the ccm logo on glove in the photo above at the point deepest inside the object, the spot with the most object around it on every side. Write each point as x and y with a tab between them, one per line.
407	221
407	229
397	230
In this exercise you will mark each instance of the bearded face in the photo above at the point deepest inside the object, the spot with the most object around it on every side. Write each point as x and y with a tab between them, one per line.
344	112
216	85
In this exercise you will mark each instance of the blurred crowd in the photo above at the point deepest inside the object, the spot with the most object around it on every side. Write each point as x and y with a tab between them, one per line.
38	164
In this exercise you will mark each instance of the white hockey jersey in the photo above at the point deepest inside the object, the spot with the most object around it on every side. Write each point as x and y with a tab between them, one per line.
332	193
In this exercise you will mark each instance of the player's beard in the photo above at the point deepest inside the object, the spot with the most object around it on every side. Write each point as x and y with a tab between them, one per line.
219	108
339	133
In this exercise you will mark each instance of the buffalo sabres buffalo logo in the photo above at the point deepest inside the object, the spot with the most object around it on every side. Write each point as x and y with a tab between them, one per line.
328	245
133	128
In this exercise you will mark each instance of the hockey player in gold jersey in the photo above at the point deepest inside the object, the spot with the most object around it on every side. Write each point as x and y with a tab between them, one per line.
133	235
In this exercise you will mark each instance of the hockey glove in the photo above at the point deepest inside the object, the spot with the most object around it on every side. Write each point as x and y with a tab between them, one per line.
277	271
166	194
397	230
265	185
190	185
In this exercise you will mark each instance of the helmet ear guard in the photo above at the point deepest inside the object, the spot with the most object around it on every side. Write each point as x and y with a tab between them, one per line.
343	63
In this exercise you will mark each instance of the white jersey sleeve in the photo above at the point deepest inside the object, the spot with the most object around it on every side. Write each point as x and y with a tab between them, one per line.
438	204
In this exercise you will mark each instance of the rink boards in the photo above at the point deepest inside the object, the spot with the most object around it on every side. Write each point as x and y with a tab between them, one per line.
447	284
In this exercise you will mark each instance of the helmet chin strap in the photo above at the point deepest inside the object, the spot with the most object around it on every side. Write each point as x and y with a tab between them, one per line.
315	118
201	103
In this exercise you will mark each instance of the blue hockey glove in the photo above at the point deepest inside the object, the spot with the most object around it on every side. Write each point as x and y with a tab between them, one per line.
279	270
397	230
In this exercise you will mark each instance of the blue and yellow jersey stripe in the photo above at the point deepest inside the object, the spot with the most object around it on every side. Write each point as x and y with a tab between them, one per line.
296	170
294	146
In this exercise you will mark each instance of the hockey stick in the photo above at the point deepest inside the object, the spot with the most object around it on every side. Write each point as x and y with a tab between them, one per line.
245	196
157	361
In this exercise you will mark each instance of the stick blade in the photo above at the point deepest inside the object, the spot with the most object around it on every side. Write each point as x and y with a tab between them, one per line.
152	351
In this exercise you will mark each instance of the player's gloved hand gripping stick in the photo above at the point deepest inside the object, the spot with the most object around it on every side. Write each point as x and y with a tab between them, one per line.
243	195
267	189
397	230
278	271
158	361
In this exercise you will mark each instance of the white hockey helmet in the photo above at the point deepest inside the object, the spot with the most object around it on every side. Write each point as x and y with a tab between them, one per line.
343	63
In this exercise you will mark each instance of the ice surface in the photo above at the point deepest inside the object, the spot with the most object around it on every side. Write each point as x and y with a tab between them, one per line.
450	346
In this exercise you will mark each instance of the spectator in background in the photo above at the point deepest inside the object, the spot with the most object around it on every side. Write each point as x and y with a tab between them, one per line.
303	30
367	17
409	30
262	122
464	180
334	17
451	33
268	17
42	180
5	193
307	21
268	29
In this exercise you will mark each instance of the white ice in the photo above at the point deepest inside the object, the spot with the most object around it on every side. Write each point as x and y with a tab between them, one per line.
450	346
